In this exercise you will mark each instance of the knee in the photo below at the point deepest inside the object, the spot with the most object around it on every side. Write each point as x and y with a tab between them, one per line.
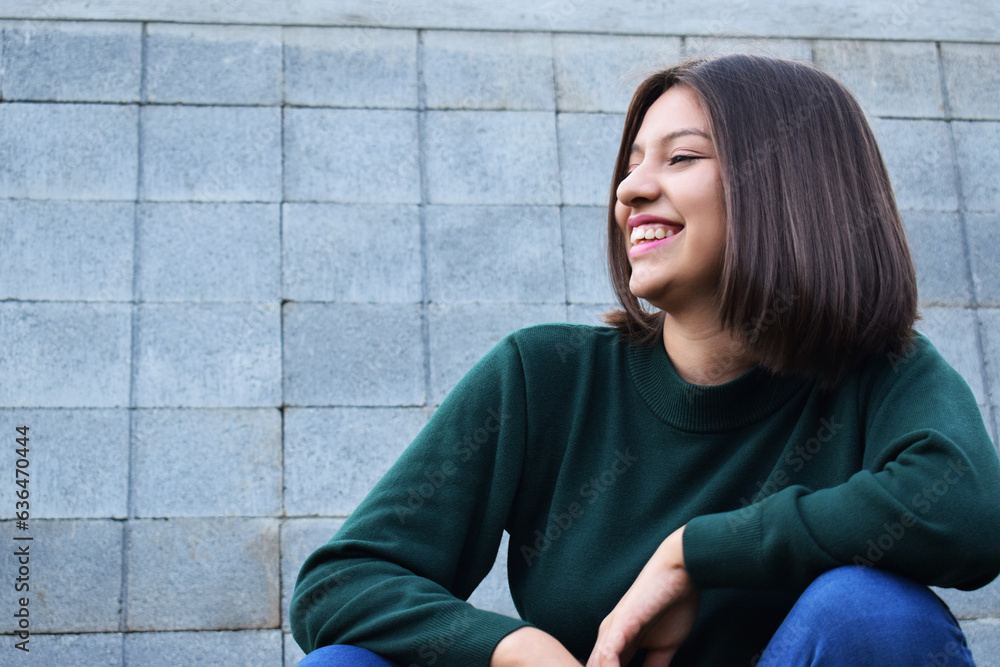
864	593
340	655
860	611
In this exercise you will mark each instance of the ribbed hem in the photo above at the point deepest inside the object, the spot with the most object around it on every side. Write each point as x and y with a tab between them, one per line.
724	550
706	408
466	639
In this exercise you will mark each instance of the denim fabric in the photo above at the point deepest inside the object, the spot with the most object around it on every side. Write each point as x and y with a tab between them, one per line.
339	655
865	617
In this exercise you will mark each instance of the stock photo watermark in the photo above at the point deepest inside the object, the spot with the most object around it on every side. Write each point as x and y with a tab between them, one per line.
796	459
437	476
922	502
431	651
590	492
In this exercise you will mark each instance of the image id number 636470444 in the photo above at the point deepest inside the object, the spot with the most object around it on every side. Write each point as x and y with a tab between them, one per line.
22	540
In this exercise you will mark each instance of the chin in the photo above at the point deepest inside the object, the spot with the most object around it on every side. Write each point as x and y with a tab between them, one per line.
651	294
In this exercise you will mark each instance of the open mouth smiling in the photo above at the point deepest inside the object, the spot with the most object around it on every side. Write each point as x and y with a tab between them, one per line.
644	233
649	231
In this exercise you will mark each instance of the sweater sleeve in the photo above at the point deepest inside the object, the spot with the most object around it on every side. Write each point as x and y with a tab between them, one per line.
925	503
396	576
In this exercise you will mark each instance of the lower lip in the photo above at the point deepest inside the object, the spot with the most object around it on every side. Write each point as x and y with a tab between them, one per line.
649	245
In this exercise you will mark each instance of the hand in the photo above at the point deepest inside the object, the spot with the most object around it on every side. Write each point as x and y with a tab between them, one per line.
530	646
656	612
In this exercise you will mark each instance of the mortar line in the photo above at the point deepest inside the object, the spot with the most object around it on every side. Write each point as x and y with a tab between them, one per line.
281	348
425	334
133	345
480	28
580	112
562	205
964	234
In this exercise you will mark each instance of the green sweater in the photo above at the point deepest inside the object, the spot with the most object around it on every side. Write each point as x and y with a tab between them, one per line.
590	451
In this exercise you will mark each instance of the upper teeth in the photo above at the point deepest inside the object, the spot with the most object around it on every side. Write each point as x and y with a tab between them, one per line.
644	233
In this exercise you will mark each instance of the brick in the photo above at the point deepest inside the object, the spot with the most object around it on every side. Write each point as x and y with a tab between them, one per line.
978	147
972	604
917	155
209	252
598	73
697	46
491	157
213	64
983	636
203	574
953	333
68	151
488	70
462	333
96	650
65	250
989	328
588	146
75	575
888	78
351	67
494	253
585	243
349	252
72	61
353	354
352	156
972	78
938	252
67	479
208	355
69	355
984	239
293	653
589	313
229	464
299	538
211	153
493	593
203	649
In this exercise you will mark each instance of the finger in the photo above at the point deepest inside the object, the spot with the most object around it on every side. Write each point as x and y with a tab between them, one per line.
603	656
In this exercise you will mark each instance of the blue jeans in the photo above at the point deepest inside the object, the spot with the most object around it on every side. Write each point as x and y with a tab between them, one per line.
853	615
866	617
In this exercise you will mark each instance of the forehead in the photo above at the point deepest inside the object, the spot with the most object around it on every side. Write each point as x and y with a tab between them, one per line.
672	115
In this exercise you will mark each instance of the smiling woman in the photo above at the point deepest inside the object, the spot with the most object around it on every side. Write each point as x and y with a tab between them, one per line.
699	482
671	206
812	215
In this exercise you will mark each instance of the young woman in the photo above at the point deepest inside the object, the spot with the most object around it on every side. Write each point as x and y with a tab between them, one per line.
764	465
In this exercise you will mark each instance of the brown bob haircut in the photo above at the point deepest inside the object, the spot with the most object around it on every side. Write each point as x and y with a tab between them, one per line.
817	274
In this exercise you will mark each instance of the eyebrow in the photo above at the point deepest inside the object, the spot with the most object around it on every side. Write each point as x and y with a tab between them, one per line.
666	139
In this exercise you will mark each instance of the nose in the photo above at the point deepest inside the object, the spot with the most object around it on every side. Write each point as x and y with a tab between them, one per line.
637	187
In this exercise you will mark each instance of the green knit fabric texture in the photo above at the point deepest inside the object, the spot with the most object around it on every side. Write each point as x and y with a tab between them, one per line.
589	451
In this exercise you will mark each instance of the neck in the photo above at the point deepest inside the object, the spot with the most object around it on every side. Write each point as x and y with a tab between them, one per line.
702	351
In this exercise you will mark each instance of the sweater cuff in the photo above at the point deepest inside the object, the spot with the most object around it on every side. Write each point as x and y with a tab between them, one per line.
724	550
467	641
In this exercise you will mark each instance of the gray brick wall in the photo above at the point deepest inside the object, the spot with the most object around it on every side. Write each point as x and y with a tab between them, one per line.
241	264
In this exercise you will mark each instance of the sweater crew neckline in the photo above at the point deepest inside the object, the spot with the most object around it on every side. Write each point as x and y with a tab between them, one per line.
706	408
